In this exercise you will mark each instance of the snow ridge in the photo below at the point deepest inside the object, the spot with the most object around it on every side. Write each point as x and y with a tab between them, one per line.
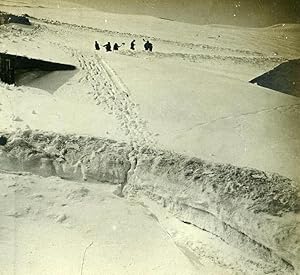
201	193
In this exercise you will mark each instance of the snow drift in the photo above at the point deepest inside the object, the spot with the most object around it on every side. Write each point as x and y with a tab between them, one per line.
247	208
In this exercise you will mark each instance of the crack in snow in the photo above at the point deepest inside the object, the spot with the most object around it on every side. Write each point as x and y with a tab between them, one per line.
286	107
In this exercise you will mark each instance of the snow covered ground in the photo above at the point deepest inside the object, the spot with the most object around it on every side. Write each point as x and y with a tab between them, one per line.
191	95
192	91
42	231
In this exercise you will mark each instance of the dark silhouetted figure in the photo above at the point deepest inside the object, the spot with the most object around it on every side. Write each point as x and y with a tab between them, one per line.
148	46
116	46
97	47
132	45
107	47
3	140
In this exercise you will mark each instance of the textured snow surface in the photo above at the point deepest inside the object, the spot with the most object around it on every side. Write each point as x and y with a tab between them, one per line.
154	125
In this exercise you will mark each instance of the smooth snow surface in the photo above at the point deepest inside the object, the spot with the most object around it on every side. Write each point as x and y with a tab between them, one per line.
44	232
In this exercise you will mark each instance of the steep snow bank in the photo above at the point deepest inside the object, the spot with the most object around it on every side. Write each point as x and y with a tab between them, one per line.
247	208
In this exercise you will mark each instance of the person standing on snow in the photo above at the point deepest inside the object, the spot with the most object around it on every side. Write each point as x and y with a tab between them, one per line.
97	47
132	45
107	47
148	46
116	46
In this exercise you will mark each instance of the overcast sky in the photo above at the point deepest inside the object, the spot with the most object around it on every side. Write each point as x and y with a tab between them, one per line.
243	13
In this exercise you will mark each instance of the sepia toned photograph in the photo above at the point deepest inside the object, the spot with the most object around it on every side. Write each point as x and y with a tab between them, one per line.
157	137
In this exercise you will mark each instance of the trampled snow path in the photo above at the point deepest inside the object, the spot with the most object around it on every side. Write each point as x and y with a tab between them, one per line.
110	92
185	45
199	58
189	51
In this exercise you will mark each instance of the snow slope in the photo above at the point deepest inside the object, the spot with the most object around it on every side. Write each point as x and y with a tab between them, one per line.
191	96
193	91
241	13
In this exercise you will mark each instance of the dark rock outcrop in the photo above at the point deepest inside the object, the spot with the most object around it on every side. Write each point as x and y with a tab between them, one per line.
285	78
6	18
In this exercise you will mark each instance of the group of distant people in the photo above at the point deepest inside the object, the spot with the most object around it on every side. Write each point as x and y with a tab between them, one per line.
147	46
108	46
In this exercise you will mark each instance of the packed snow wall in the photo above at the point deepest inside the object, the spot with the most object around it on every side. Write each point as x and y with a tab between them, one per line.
69	157
250	209
245	207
